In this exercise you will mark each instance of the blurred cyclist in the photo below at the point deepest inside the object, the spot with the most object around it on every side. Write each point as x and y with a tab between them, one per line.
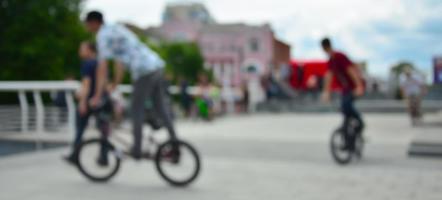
413	88
347	74
117	43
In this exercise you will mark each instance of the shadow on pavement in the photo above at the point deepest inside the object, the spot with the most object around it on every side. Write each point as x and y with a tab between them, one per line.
123	188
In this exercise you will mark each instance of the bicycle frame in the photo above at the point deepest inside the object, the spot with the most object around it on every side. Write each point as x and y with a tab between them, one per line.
123	152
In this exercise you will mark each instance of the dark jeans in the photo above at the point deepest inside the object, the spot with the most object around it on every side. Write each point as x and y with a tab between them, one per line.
151	86
82	121
350	113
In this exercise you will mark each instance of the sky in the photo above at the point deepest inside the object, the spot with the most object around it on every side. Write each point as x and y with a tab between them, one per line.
381	32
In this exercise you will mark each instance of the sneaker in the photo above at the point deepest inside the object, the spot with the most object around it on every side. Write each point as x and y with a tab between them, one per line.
103	162
70	159
347	146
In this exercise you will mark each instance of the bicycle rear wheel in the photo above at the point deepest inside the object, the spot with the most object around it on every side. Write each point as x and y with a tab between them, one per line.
97	160
178	163
337	147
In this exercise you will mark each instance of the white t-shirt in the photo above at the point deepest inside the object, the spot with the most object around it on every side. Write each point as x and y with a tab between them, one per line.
117	42
412	85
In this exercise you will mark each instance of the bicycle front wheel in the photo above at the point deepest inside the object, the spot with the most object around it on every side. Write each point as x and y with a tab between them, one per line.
178	163
97	160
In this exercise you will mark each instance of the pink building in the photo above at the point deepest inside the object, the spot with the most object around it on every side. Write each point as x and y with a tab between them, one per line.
230	50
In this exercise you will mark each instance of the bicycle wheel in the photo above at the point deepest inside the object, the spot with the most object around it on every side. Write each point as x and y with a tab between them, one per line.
337	147
97	160
178	163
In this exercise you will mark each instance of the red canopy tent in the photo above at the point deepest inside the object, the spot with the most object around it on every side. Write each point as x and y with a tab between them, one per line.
303	70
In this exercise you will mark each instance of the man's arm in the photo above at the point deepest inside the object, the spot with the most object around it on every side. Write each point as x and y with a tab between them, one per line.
353	73
327	86
101	79
328	81
118	74
84	88
83	94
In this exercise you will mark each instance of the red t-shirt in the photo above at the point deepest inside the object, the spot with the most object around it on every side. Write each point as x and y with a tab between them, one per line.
338	64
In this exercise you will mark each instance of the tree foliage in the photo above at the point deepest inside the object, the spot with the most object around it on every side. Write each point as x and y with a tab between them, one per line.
400	67
39	39
183	60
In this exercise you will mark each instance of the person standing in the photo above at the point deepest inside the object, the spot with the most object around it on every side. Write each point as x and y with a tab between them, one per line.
347	74
117	43
185	97
88	54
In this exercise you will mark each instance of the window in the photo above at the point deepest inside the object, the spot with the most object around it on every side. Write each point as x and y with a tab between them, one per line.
232	48
209	47
194	15
220	48
180	36
167	17
254	45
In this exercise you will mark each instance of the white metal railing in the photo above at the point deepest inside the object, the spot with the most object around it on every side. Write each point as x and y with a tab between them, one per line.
69	87
37	88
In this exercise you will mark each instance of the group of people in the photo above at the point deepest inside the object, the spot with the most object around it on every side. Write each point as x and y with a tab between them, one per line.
207	99
116	43
201	102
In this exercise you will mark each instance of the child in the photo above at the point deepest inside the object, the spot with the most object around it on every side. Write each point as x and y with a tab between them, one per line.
88	54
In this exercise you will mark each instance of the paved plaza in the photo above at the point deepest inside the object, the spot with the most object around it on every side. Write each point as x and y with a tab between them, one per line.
263	156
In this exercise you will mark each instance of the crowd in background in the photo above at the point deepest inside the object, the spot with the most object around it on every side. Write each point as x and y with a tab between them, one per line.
207	99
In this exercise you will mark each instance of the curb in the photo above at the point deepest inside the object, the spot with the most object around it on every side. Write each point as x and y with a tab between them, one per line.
425	149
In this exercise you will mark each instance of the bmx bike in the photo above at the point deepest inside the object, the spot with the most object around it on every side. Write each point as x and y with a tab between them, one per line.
339	147
176	161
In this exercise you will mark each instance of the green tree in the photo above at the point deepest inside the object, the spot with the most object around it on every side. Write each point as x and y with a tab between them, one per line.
39	39
400	67
183	60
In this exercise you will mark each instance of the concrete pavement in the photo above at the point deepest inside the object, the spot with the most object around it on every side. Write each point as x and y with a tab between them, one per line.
252	157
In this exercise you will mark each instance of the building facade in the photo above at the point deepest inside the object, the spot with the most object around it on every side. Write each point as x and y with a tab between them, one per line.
232	51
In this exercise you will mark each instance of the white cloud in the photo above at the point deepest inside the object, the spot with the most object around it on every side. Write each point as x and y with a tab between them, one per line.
140	12
302	23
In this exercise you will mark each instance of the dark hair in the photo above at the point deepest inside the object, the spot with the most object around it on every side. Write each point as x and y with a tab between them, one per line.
94	16
326	43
